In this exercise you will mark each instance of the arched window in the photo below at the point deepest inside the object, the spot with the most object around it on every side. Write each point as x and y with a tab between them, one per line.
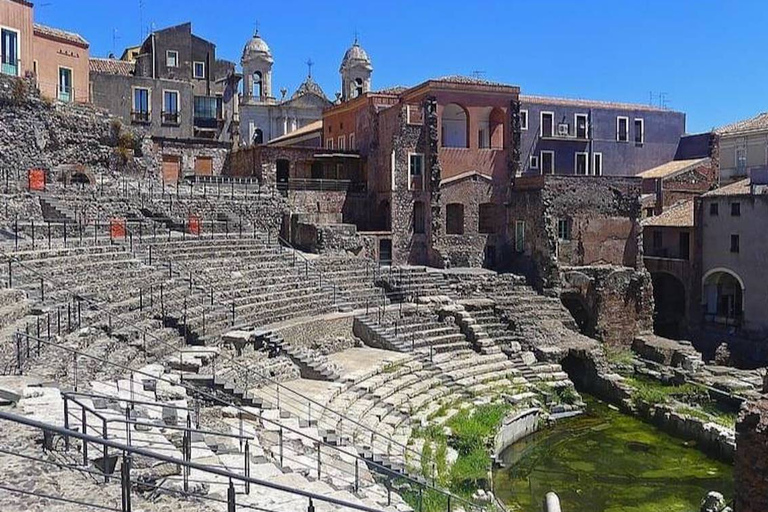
454	126
257	84
358	87
487	218
454	219
258	136
419	224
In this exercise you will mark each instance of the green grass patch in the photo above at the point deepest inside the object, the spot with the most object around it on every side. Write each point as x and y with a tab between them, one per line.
472	428
654	392
619	355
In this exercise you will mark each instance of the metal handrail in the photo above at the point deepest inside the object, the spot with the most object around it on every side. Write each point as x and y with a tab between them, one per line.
386	439
5	416
241	410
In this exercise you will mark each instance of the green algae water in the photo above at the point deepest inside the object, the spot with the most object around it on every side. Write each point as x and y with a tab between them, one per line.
605	461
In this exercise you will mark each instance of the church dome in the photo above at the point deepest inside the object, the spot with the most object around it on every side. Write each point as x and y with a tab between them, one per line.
257	48
356	56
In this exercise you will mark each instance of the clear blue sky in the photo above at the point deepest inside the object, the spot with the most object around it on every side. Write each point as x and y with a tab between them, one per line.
708	56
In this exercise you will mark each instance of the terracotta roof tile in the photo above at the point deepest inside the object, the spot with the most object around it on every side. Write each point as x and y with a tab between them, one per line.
757	123
673	168
574	102
740	188
112	67
72	37
679	215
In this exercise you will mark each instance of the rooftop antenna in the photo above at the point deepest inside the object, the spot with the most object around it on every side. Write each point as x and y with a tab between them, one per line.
663	100
141	20
115	37
256	28
309	64
477	74
357	36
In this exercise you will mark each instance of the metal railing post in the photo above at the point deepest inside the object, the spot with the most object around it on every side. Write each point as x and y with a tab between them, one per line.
231	502
125	481
66	422
247	467
84	422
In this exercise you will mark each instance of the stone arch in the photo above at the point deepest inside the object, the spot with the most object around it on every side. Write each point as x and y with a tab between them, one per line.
670	305
258	84
723	296
455	126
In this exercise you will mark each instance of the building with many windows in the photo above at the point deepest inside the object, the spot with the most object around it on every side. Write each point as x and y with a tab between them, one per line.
743	148
584	137
57	59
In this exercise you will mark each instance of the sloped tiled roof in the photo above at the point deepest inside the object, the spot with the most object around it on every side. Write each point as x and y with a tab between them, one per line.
672	168
679	215
112	67
71	37
315	126
574	102
753	124
740	188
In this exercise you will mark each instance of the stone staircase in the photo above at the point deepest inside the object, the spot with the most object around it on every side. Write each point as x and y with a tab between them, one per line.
407	283
54	210
312	364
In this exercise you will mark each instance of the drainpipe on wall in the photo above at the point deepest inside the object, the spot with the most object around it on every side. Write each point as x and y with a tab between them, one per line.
154	56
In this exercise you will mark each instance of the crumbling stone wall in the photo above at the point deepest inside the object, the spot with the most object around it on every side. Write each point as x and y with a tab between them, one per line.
467	249
407	245
190	151
751	465
36	132
617	302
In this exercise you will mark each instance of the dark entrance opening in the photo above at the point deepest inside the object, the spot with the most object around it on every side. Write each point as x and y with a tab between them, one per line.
385	251
576	305
669	306
258	137
283	172
490	257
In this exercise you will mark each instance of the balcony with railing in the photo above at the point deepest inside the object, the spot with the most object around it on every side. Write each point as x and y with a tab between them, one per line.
171	118
141	116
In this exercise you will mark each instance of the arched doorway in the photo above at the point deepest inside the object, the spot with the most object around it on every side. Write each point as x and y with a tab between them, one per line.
579	310
723	296
669	297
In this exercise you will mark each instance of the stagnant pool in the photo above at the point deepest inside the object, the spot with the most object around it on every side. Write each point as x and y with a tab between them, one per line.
605	461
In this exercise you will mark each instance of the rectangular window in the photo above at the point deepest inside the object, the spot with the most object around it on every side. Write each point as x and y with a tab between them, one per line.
341	143
547	162
523	119
581	123
483	136
714	209
141	109
581	167
639	131
622	129
547	124
329	143
416	164
171	107
658	242
735	209
597	164
9	52
735	243
172	58
741	159
564	229
65	85
519	236
207	111
198	70
352	142
685	246
534	163
486	218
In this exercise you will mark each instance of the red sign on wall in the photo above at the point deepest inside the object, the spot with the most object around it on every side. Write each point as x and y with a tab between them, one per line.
117	228
36	179
194	224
